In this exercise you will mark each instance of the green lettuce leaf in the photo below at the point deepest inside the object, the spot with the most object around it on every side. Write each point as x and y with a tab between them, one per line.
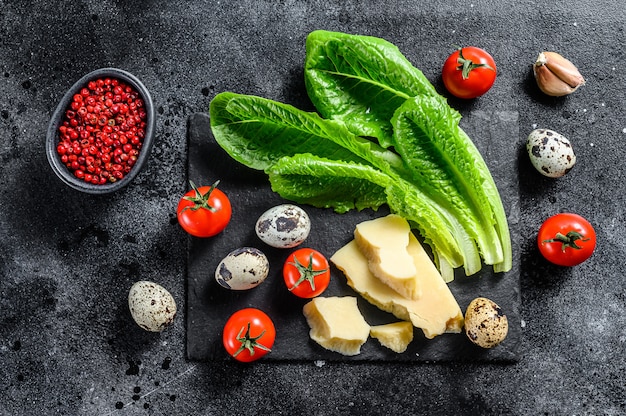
360	81
325	183
426	136
257	132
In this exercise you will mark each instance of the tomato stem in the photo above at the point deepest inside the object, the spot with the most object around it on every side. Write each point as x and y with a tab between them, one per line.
306	272
199	200
467	65
568	240
249	343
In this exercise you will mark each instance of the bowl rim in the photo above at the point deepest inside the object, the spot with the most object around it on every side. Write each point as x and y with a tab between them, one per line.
52	138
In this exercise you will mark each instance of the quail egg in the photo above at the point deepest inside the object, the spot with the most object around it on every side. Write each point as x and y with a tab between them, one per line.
152	307
242	269
485	323
283	226
550	152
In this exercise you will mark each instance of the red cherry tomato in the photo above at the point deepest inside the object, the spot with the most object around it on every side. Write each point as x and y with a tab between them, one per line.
566	239
306	273
204	211
249	334
469	72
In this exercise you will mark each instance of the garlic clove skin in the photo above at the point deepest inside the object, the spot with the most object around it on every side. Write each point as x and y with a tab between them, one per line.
555	75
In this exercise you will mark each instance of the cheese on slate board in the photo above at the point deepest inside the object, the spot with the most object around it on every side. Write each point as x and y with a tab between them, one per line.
396	335
435	312
384	242
209	305
337	324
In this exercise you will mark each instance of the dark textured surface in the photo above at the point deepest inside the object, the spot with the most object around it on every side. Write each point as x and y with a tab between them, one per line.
67	342
209	305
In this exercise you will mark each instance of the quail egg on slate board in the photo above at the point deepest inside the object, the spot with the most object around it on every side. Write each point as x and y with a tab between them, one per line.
152	307
550	152
485	323
283	226
242	269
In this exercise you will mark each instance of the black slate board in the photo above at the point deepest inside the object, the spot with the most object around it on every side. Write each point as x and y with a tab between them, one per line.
209	305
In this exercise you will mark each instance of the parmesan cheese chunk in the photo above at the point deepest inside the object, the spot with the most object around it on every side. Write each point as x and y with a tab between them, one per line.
384	242
396	336
337	324
435	312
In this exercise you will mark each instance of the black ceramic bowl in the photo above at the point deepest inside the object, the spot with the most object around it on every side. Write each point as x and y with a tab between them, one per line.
52	136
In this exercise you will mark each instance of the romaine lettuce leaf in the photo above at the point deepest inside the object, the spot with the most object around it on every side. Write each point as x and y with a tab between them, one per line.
257	132
360	80
426	136
325	183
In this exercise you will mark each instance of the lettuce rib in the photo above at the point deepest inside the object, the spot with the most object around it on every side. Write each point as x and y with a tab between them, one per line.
490	189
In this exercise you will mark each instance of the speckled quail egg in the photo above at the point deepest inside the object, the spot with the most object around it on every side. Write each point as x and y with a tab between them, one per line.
152	307
550	152
242	269
283	226
485	323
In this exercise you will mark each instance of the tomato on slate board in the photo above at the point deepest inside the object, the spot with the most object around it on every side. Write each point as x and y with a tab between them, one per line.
204	211
469	72
566	239
248	335
306	273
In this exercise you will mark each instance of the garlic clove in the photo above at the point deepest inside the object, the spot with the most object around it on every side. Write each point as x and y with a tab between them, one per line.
550	84
555	75
564	69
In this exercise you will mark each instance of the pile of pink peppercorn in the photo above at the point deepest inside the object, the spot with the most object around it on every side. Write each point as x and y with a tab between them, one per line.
102	132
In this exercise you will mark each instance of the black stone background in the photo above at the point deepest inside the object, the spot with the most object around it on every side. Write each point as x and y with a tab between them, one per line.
67	342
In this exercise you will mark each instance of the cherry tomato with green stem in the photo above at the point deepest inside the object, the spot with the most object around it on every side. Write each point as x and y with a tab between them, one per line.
306	273
248	335
566	239
469	72
204	211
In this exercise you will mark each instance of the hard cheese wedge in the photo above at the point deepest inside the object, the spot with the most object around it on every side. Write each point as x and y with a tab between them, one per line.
384	242
337	324
396	336
435	312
